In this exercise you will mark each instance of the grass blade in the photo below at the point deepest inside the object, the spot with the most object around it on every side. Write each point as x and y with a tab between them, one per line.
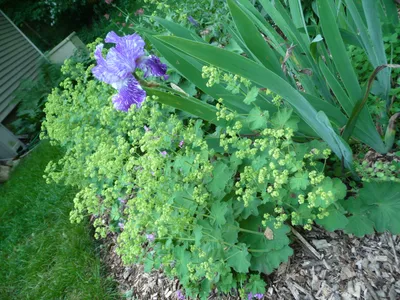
337	89
375	31
391	12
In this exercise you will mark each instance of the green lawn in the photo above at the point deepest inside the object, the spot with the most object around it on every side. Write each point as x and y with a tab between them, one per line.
43	255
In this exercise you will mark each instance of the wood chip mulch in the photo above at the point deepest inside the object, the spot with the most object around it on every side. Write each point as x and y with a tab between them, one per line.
325	266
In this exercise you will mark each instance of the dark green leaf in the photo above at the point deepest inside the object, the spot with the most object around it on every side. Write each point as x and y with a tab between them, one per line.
335	220
218	211
269	261
239	258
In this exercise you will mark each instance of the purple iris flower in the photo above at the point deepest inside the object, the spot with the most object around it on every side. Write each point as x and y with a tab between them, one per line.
181	144
193	21
119	65
257	296
150	237
179	295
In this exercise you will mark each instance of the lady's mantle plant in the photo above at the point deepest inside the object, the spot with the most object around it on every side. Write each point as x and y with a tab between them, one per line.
206	204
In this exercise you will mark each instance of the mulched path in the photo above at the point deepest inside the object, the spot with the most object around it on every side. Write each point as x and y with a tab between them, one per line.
326	266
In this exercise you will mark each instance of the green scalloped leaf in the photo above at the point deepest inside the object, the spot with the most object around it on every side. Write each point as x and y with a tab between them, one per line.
257	241
334	185
218	211
335	220
269	261
239	259
183	258
359	225
383	200
257	119
251	95
377	207
198	234
222	176
256	285
252	208
299	181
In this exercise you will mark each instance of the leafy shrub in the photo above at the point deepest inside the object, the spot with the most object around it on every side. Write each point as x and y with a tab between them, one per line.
308	73
32	95
205	204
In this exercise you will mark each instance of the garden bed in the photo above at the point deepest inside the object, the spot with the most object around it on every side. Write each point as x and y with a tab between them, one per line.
347	268
231	167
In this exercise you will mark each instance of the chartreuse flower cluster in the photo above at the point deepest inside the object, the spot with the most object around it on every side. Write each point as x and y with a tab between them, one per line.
206	204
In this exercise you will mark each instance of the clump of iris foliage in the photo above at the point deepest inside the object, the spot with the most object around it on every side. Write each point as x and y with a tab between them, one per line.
205	182
43	255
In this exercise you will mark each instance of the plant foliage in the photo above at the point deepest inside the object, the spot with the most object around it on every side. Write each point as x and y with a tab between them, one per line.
205	179
207	204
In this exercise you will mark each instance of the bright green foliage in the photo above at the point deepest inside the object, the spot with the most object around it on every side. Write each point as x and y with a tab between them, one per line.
305	75
257	119
215	209
251	95
299	181
209	16
376	207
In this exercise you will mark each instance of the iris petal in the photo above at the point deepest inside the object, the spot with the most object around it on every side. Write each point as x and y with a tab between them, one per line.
152	66
112	37
131	93
119	64
107	70
127	51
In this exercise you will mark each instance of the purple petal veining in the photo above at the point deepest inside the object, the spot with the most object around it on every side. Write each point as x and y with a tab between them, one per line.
120	63
131	93
152	66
